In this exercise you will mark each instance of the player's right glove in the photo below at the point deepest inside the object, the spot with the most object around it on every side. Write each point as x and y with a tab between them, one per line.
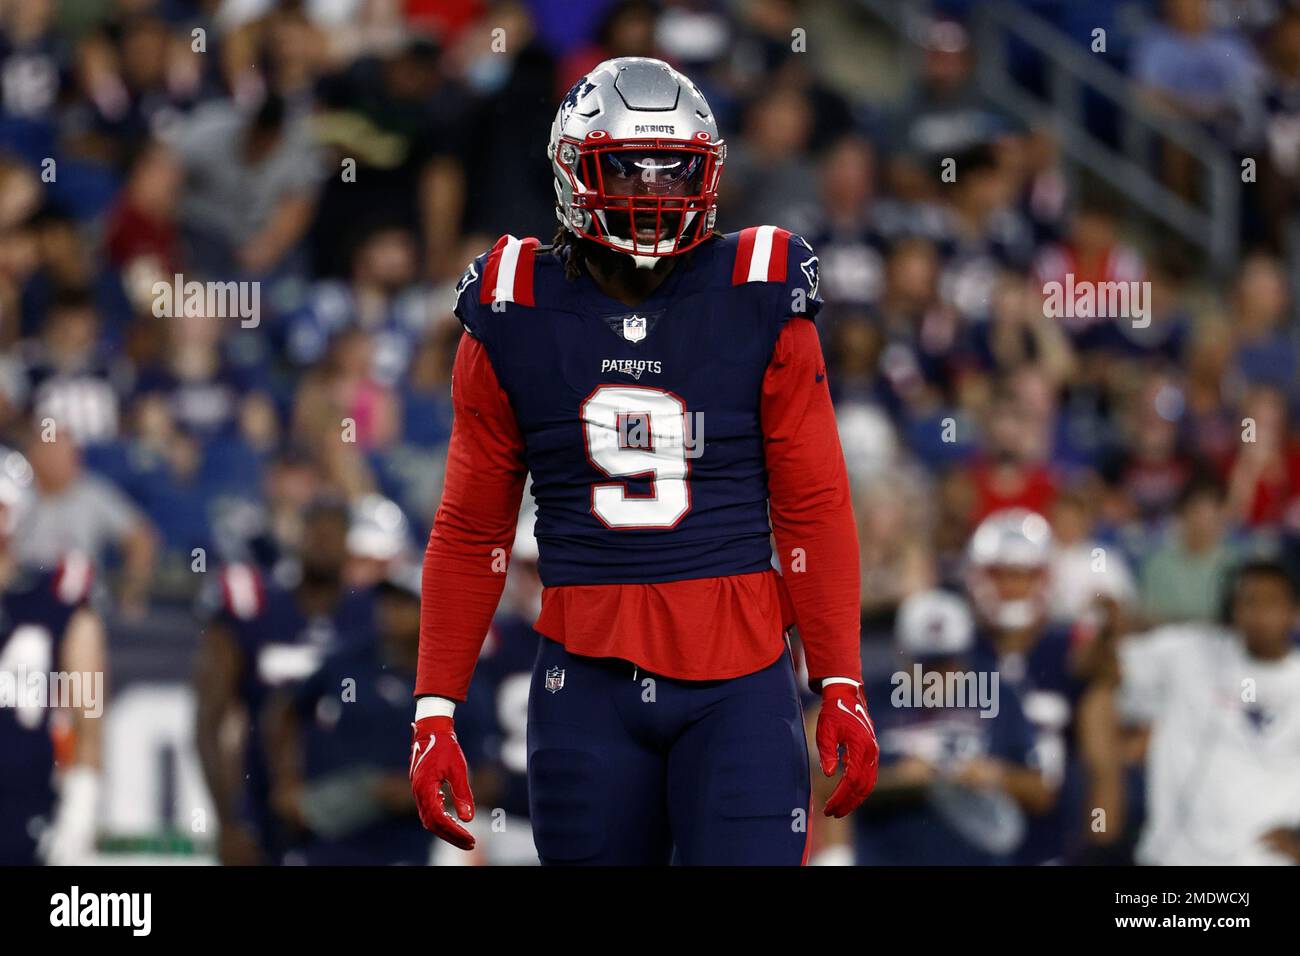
436	758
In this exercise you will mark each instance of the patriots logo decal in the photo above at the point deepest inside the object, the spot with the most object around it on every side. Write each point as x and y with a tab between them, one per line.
465	281
811	269
576	92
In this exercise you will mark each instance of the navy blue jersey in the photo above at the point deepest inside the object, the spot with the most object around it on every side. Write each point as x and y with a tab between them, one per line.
492	724
1049	692
360	732
281	646
34	613
617	406
950	826
348	743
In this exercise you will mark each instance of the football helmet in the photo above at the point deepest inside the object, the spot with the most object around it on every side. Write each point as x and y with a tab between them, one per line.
933	624
377	529
1007	565
637	158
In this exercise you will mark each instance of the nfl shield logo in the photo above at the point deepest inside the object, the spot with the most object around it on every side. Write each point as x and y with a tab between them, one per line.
634	328
554	679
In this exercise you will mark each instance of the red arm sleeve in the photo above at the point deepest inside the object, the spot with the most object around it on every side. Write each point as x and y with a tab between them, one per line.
464	573
812	516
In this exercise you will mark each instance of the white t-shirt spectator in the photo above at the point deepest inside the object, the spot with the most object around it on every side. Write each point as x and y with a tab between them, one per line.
1223	767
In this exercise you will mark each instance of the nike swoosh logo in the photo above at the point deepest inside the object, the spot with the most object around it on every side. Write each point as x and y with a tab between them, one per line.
864	720
821	376
417	758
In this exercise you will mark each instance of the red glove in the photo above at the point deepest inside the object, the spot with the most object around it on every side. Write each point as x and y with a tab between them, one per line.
436	757
844	722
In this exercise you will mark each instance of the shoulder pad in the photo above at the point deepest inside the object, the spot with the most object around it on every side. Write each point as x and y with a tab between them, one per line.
242	593
762	255
73	578
502	274
774	255
508	271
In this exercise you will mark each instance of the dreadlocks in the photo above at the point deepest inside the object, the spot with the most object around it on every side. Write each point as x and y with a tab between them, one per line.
575	252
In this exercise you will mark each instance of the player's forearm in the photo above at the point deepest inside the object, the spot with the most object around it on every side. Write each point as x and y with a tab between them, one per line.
817	541
460	590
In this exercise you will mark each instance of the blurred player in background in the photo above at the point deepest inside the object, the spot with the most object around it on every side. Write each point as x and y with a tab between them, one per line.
48	799
665	387
1007	579
266	635
1223	706
339	787
956	775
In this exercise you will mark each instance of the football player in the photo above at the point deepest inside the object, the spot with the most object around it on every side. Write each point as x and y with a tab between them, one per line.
1007	579
665	387
340	791
955	778
268	635
46	628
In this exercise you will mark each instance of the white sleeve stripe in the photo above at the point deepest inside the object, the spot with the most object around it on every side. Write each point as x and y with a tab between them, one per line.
761	258
505	290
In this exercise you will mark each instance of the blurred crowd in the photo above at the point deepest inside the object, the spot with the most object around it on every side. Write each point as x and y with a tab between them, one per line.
352	156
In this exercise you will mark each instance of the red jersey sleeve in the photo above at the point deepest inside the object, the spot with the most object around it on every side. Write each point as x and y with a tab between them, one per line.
474	528
811	513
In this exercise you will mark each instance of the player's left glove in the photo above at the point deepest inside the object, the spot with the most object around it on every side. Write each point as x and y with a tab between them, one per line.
844	722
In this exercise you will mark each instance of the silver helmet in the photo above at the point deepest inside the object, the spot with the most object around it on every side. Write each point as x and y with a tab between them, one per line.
1008	563
637	158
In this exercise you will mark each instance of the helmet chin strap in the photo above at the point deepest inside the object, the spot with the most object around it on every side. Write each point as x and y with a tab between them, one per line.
645	262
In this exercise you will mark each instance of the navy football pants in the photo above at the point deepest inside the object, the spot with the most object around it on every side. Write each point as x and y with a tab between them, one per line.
626	767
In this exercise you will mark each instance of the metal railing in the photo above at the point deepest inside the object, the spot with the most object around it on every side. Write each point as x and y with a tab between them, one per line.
1071	72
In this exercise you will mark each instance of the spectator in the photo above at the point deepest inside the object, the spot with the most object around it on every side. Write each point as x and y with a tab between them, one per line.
403	126
851	251
1264	484
1013	470
70	378
768	177
141	236
77	511
1194	69
1221	790
1083	571
1184	577
1265	348
249	191
380	297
